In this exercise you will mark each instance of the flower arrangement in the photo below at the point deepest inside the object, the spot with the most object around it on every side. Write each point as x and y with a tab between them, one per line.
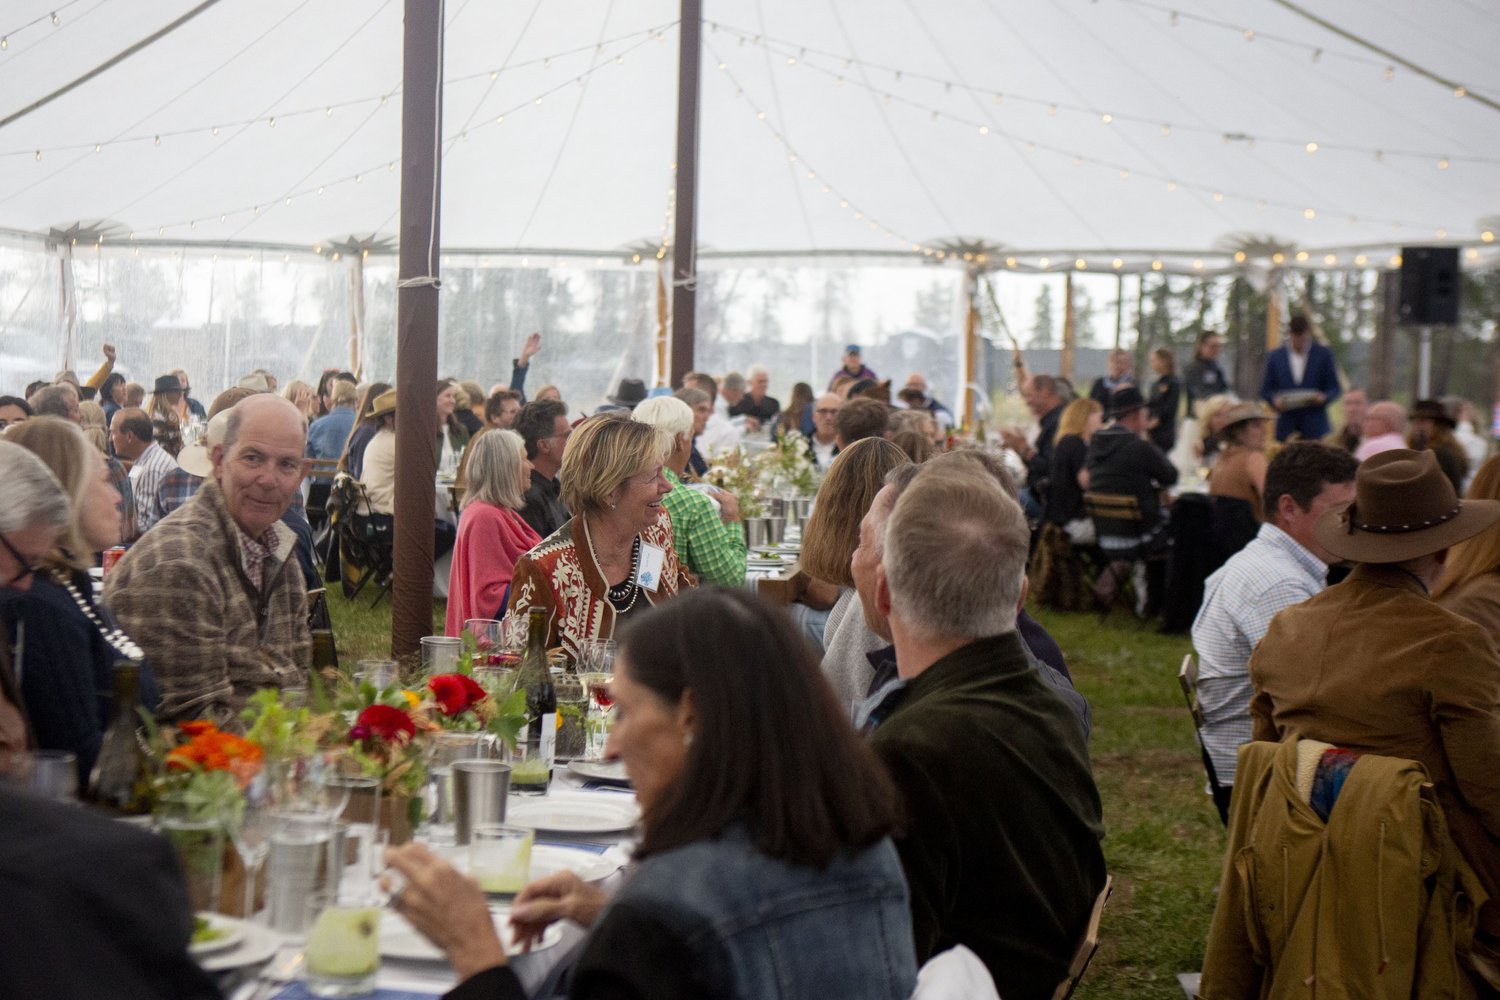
380	730
458	703
735	472
204	770
790	459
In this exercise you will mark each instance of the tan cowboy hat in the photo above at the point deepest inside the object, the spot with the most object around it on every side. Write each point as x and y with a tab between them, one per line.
197	458
1403	507
1240	413
384	403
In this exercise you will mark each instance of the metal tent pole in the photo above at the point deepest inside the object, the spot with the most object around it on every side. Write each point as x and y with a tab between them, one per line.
685	238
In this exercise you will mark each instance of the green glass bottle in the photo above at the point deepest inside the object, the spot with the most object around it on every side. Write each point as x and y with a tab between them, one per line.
121	779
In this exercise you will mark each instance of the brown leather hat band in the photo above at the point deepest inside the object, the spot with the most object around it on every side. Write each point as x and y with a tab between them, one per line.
1395	529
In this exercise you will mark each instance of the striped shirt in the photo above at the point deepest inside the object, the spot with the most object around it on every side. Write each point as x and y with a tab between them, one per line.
1239	600
145	479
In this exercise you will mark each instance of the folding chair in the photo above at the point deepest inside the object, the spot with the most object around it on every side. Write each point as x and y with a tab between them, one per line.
320	486
1122	540
1087	946
1187	678
365	541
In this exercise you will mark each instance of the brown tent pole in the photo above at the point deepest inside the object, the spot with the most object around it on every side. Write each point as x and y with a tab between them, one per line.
685	239
417	323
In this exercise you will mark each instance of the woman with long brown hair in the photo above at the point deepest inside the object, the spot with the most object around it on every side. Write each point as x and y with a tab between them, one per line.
1470	585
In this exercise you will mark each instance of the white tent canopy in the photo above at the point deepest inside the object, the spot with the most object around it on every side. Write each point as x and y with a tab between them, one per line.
1065	130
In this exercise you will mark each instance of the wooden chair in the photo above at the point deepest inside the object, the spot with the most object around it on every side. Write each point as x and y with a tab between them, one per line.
1121	538
320	476
1087	946
1187	679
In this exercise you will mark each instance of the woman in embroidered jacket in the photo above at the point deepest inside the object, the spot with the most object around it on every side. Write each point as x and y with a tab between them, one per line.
491	533
68	643
614	557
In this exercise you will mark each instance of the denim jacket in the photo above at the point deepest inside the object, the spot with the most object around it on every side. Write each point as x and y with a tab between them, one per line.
760	929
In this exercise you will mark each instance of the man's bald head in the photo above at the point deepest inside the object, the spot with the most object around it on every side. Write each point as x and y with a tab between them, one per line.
1385	418
260	464
266	410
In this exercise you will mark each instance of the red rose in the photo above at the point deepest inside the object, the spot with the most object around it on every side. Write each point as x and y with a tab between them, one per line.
455	693
387	723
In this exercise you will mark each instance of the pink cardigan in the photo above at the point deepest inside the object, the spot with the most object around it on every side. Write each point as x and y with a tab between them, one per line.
490	540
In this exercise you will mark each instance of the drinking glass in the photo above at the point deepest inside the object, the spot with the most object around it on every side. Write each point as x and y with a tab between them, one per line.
572	709
198	841
440	654
500	858
48	774
601	704
342	954
252	834
442	751
530	771
380	674
361	810
310	786
489	642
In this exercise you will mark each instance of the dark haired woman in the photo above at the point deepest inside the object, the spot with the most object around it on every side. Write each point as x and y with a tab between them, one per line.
765	866
1166	393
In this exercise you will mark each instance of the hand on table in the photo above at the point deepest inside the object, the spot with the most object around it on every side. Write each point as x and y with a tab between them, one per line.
448	907
559	896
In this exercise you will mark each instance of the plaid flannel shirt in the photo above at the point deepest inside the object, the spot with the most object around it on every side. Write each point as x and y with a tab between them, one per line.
711	549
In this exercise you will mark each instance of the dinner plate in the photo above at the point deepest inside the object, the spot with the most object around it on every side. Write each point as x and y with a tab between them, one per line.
400	940
604	814
231	933
549	859
609	772
257	945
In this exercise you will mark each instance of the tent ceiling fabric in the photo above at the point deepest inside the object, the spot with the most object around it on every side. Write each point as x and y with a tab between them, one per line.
583	157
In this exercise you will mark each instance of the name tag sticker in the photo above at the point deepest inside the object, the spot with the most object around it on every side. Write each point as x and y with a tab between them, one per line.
652	559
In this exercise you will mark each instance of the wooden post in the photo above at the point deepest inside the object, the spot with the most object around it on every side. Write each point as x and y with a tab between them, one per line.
356	310
1068	333
661	375
969	375
1273	313
685	239
417	323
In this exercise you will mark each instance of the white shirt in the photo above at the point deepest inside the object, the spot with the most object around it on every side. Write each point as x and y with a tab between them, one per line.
823	453
1299	364
719	435
1239	600
1380	442
146	475
380	472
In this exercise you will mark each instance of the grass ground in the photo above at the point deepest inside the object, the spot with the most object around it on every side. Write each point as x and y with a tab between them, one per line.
1164	841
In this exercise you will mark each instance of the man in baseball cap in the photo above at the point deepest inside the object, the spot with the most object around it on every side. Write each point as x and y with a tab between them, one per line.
1374	666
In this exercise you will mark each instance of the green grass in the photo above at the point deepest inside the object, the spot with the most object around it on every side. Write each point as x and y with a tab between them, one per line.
1164	841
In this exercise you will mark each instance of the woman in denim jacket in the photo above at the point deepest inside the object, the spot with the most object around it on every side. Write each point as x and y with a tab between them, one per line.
765	870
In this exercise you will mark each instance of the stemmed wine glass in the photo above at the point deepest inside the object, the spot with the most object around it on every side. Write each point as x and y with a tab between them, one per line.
252	834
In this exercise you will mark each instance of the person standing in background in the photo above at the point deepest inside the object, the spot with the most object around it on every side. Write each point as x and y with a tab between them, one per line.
1203	377
1166	395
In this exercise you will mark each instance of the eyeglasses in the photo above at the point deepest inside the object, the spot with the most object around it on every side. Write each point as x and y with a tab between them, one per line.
28	567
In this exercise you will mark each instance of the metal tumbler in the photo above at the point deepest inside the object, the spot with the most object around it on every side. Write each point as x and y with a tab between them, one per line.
479	791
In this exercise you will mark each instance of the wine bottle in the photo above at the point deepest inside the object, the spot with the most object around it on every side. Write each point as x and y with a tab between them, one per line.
121	778
541	695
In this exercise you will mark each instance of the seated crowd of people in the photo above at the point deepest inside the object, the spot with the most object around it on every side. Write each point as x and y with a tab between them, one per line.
817	781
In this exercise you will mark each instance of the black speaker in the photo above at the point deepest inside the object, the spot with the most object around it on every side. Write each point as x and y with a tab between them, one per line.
1429	286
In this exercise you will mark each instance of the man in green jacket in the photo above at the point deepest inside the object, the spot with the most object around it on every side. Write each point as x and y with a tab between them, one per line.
1002	842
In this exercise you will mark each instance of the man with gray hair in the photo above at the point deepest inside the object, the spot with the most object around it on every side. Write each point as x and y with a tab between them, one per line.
718	433
62	401
758	409
212	593
33	512
1002	844
1385	429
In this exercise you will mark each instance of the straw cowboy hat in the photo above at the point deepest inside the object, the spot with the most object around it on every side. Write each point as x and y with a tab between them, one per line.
1403	507
1241	413
384	403
198	458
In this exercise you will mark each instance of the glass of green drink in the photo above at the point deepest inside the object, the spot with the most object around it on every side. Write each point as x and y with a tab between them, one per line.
500	858
342	954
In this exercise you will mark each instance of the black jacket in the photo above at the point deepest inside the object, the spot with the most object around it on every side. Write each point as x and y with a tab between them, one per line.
1119	461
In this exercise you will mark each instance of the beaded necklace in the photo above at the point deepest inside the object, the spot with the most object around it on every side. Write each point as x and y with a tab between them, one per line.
622	596
115	637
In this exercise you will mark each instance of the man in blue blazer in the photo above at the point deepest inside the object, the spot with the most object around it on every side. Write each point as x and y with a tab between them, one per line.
1301	379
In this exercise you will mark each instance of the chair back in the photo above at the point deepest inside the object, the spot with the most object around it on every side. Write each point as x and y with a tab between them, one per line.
1087	946
1117	521
1187	679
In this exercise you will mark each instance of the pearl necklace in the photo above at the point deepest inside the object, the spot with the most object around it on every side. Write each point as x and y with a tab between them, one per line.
115	637
628	587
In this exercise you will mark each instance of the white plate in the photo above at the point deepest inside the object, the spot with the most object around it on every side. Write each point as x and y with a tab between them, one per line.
399	939
611	772
548	859
258	945
607	814
232	932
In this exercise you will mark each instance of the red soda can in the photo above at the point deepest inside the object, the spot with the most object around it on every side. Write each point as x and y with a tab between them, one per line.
111	556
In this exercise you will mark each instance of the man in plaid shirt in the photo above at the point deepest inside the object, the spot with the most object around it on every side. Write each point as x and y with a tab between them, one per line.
1283	565
706	529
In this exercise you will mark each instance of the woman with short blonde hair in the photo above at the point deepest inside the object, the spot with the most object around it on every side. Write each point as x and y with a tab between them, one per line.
614	558
491	533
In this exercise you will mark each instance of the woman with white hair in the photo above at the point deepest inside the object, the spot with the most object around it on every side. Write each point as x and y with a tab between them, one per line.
706	527
491	533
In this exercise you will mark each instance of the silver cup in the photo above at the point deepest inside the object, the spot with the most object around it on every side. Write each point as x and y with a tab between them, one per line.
775	530
479	791
305	856
757	532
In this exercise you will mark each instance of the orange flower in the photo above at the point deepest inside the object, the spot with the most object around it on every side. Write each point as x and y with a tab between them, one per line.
197	727
212	750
